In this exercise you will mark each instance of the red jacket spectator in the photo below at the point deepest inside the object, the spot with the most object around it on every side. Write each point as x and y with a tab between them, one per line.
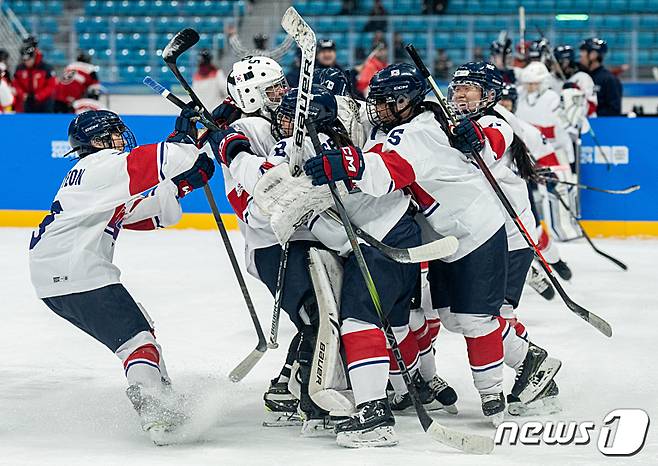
34	81
73	85
370	67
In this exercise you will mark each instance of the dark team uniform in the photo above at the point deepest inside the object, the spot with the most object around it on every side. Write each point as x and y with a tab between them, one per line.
608	91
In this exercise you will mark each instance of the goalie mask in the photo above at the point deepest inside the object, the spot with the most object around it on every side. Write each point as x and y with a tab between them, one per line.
396	93
257	83
475	87
96	130
322	112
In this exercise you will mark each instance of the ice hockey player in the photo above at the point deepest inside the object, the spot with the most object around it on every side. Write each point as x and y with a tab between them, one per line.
72	250
389	218
507	156
256	86
544	155
500	50
541	107
469	286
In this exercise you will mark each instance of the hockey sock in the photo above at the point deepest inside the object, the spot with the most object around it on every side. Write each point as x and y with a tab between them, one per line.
547	246
367	359
284	375
410	354
141	357
420	328
484	345
433	323
514	346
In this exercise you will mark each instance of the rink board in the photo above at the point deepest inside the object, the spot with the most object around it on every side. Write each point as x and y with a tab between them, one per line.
32	164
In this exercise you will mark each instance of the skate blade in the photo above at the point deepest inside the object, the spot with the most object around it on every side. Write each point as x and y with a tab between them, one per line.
317	428
384	436
497	419
544	407
162	434
281	419
550	367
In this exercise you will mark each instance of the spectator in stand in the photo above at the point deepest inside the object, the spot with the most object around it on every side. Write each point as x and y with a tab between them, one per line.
608	88
34	80
348	7
377	22
76	80
326	54
399	53
434	7
6	92
209	82
4	59
443	66
376	61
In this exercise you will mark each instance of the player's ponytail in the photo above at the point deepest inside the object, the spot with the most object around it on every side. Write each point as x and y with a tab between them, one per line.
525	165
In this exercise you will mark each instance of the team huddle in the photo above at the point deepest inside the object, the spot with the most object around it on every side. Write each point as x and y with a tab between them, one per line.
406	175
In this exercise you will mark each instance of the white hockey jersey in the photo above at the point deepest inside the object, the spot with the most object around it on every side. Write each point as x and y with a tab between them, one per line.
542	110
240	180
450	190
375	215
72	249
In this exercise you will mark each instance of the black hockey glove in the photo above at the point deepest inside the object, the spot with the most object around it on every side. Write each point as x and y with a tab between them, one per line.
185	129
226	113
196	177
344	164
227	144
467	136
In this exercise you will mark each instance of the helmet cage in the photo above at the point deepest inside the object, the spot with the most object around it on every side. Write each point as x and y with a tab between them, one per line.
473	108
386	112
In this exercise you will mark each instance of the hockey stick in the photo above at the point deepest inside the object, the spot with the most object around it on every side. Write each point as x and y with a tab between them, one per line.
522	30
437	249
278	296
589	240
598	145
594	320
181	42
627	190
470	443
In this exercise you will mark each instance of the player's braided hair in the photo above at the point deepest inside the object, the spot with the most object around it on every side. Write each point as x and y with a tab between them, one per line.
525	165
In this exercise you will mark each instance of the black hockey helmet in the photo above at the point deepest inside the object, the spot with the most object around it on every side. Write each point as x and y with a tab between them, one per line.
501	46
594	44
393	91
333	79
484	75
322	111
29	47
565	56
97	127
509	92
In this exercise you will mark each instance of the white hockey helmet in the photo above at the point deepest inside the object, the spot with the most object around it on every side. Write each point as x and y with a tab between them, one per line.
535	72
255	83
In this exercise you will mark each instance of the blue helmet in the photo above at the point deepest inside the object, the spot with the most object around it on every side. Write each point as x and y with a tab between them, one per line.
333	79
393	91
501	46
565	56
481	74
509	92
93	130
322	111
594	44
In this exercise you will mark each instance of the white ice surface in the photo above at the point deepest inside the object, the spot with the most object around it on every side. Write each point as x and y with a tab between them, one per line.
62	398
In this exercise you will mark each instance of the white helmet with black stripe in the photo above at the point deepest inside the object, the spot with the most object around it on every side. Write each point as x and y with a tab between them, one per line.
257	83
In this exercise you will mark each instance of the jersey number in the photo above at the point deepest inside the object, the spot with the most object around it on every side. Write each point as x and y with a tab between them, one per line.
394	136
55	208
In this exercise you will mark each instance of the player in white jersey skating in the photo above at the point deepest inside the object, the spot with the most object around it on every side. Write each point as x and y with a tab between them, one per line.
71	252
469	286
434	391
507	156
256	86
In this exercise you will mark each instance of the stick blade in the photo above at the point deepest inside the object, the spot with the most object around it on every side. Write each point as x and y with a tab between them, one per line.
246	365
438	249
295	26
468	443
182	41
591	318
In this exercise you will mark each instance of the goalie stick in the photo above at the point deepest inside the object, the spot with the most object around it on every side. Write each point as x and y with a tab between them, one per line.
182	41
437	249
589	317
469	443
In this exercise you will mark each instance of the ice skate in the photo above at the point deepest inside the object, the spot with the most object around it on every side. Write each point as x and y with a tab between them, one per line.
540	283
159	415
545	404
280	406
534	374
371	426
562	269
493	407
443	394
435	395
316	421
